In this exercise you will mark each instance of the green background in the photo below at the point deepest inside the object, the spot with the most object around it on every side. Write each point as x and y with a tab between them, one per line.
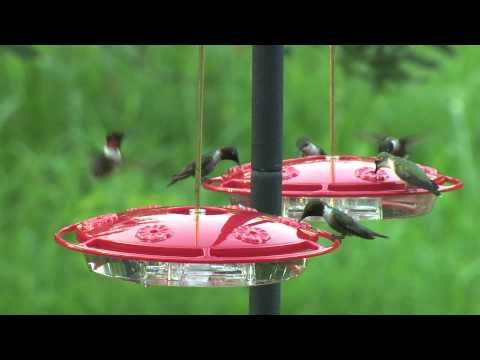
56	108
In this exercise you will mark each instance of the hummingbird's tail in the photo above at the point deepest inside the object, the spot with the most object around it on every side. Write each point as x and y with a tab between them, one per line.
368	234
435	190
380	235
172	182
177	177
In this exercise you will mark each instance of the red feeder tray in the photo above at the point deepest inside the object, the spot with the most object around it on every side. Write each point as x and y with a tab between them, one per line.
349	182
178	246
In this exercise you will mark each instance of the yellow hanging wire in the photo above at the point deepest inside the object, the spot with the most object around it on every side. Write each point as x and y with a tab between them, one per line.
331	49
200	107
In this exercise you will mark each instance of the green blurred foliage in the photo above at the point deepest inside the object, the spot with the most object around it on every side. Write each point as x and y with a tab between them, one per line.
55	109
382	65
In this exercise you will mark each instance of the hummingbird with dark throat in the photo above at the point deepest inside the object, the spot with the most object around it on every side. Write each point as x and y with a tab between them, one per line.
106	162
338	220
307	148
406	170
396	146
209	162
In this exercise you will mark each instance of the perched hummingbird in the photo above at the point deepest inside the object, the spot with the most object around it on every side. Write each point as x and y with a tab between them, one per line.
104	163
338	220
209	162
406	170
395	146
307	148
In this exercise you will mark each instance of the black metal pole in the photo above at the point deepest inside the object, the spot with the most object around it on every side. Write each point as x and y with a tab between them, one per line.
267	135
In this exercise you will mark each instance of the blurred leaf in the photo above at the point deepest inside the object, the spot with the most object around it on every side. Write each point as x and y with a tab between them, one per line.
23	51
384	64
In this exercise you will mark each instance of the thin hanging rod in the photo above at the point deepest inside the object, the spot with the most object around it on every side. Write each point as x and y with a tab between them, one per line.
200	110
331	49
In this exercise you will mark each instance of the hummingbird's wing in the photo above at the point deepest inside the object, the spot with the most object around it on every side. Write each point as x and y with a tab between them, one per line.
383	142
346	225
375	138
101	166
411	139
409	172
189	170
405	144
408	141
186	172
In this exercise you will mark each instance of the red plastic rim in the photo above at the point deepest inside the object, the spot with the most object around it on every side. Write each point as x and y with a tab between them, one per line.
231	234
319	176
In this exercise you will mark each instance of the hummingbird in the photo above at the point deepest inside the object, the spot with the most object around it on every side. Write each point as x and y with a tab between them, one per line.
104	163
209	162
338	220
307	148
395	146
406	170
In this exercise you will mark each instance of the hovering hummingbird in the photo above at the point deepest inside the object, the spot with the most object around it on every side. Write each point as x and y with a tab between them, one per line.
209	162
406	170
395	146
307	148
104	163
338	220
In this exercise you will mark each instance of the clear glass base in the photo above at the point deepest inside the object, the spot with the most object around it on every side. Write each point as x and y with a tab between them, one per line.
357	208
196	275
360	208
407	206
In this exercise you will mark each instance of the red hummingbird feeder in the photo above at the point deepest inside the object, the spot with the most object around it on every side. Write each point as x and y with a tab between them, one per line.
347	182
206	247
196	246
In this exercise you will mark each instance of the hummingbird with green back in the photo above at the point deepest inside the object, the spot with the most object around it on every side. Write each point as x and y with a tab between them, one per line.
406	170
338	220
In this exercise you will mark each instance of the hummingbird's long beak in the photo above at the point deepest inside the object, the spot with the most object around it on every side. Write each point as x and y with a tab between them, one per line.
376	167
